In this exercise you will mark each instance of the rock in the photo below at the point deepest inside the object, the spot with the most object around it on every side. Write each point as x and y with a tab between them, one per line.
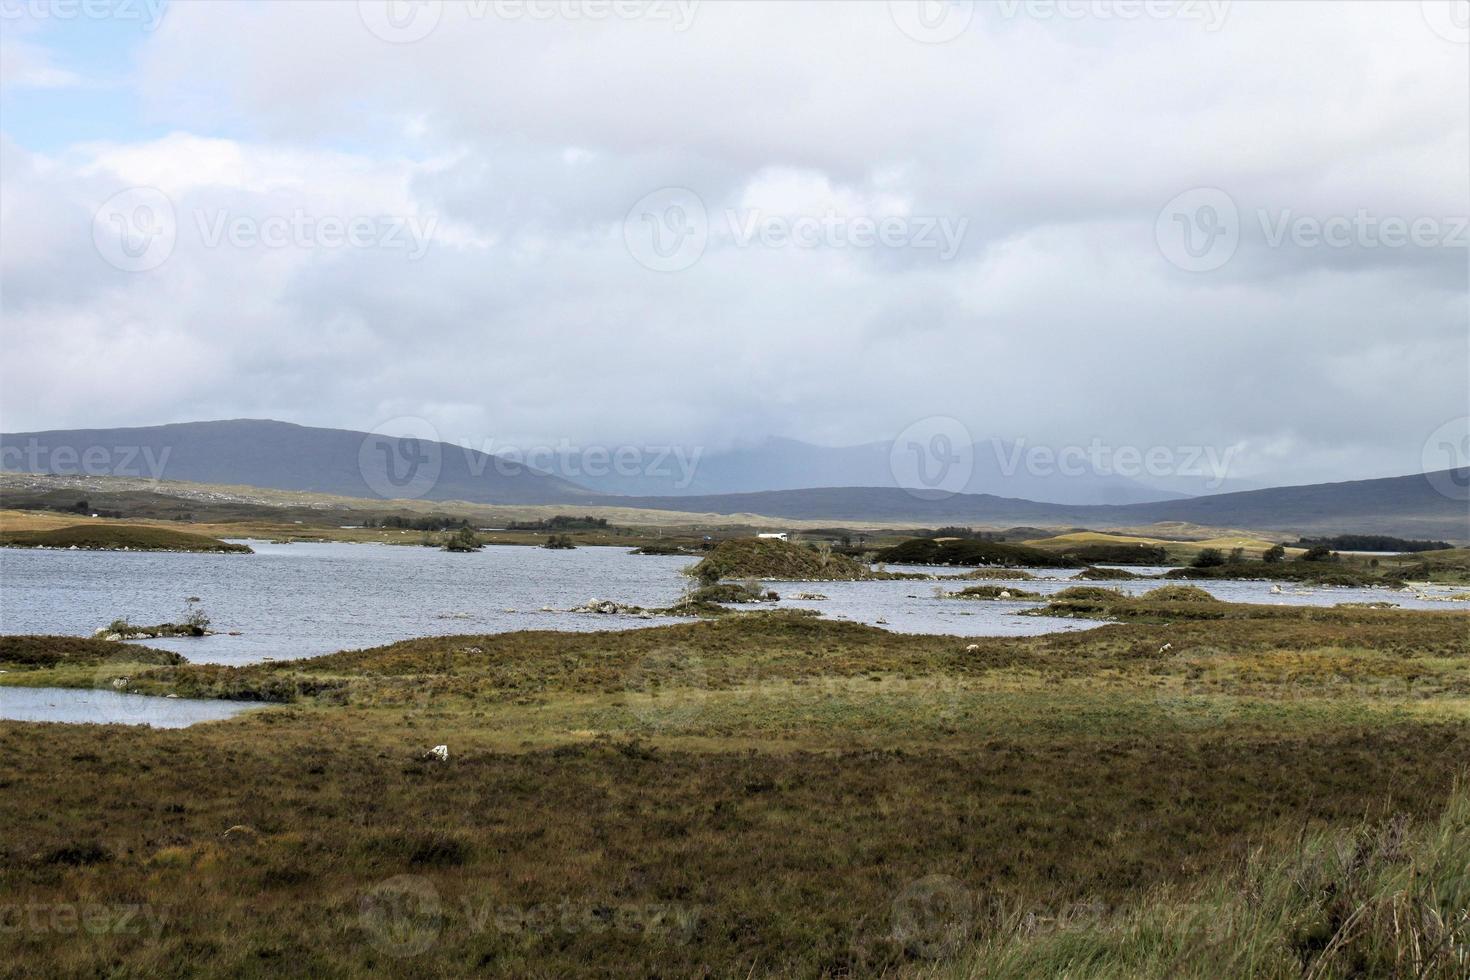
171	695
812	597
240	834
121	683
439	753
972	648
1004	594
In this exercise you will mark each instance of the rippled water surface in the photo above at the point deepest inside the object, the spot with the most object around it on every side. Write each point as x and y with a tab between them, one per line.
295	600
111	707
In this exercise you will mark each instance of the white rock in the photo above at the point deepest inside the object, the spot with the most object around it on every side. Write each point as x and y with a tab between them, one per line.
972	648
439	753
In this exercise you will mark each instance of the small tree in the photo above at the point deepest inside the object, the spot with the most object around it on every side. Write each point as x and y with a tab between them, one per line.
1237	555
462	540
1273	554
194	616
1319	553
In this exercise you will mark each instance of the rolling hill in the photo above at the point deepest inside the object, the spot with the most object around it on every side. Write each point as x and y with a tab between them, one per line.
283	456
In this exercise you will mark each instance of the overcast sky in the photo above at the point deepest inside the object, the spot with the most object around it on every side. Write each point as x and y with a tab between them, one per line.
1230	225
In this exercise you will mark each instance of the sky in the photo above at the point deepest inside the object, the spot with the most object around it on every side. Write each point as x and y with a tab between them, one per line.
1238	228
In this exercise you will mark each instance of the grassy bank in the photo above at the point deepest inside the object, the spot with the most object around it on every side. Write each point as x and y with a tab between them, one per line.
767	794
117	537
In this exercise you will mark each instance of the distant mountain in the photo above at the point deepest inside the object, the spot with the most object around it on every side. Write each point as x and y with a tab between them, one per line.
1406	506
995	467
282	456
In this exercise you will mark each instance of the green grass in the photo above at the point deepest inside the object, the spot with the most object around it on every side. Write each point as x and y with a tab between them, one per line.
757	795
964	551
1385	899
1303	572
771	559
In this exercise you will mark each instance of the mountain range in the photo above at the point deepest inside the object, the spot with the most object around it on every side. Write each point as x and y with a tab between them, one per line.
779	478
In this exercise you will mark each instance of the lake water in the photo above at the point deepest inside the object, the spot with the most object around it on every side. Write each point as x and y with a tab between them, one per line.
297	600
76	705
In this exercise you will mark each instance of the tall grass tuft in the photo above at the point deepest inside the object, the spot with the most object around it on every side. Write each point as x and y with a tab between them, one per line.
1383	900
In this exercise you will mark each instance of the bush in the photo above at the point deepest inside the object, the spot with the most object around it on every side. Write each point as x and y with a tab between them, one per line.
1319	553
560	542
1208	558
1179	593
1273	554
925	551
1089	593
462	540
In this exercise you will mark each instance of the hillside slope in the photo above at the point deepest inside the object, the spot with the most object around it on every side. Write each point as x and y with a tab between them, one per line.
283	456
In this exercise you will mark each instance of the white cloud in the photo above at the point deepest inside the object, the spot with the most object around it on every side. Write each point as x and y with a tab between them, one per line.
526	142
